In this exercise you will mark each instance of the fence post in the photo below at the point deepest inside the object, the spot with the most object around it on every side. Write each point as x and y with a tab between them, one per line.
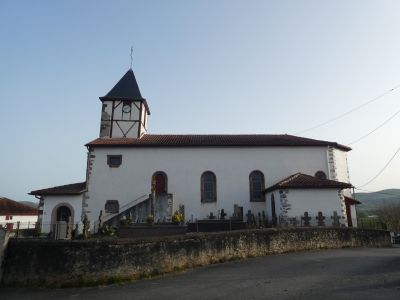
18	229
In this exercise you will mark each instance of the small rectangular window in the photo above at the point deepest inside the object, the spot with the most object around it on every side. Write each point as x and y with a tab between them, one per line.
112	206
114	161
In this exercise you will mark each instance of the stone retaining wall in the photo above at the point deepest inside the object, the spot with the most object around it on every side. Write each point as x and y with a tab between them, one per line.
78	263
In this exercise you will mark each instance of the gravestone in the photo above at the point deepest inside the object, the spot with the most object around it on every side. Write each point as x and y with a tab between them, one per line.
237	212
222	214
320	219
257	220
249	217
264	219
336	219
293	222
306	219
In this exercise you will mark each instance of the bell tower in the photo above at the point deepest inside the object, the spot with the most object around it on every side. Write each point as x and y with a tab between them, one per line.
124	111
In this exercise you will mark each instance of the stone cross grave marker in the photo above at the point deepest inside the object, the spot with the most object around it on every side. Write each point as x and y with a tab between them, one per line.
222	214
306	219
249	216
320	219
335	218
264	219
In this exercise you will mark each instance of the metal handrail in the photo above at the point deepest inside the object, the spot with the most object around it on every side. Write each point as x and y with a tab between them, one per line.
125	207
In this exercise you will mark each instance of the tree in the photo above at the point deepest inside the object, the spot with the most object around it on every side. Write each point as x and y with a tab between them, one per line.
389	214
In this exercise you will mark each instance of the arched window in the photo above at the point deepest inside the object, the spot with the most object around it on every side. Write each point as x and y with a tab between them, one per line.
257	186
208	187
320	175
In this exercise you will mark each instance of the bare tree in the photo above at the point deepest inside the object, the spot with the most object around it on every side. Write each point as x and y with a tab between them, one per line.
389	214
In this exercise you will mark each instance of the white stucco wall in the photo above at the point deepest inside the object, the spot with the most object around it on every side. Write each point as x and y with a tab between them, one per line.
354	215
310	200
184	167
50	202
25	221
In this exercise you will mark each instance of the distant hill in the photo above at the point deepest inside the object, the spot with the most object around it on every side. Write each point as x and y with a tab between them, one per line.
30	203
370	201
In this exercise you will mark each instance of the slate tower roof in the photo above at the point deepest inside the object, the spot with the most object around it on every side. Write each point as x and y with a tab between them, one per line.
126	88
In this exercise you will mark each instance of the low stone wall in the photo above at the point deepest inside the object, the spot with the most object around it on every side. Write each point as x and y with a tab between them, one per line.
77	263
4	237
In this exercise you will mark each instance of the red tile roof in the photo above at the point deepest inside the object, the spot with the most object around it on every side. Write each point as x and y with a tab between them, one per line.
214	140
68	189
303	181
15	208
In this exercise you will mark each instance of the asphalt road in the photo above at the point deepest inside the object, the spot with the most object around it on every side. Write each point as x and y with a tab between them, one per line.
330	274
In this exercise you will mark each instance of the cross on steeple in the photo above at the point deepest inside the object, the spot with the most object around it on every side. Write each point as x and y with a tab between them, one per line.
131	56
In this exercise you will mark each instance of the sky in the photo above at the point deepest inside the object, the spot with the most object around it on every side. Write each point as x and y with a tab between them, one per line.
213	66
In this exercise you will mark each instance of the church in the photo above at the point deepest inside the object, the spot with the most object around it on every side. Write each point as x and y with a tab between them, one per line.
292	180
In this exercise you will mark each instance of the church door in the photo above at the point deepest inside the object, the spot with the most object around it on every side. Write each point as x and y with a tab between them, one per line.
63	216
161	183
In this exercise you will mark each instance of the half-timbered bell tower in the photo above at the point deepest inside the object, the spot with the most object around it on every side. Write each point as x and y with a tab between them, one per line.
124	110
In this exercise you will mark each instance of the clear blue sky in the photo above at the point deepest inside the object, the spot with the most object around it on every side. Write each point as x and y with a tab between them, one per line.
205	67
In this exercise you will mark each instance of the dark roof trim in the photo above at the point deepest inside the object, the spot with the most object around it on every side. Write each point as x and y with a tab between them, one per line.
68	189
303	181
215	140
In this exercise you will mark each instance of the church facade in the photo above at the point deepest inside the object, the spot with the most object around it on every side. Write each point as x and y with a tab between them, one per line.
291	180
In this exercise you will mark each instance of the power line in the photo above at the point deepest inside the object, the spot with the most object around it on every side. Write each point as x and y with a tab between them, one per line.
350	111
375	129
383	169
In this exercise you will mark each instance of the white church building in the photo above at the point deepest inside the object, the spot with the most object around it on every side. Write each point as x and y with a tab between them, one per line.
291	179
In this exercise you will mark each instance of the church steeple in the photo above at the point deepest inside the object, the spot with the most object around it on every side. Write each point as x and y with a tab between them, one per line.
124	110
126	87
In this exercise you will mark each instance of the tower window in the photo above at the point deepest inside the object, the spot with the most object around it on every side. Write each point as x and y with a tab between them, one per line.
257	186
320	175
114	161
208	187
112	206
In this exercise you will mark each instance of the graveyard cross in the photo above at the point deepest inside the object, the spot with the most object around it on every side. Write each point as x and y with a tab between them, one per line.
249	216
336	219
259	220
264	219
306	219
320	219
222	214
